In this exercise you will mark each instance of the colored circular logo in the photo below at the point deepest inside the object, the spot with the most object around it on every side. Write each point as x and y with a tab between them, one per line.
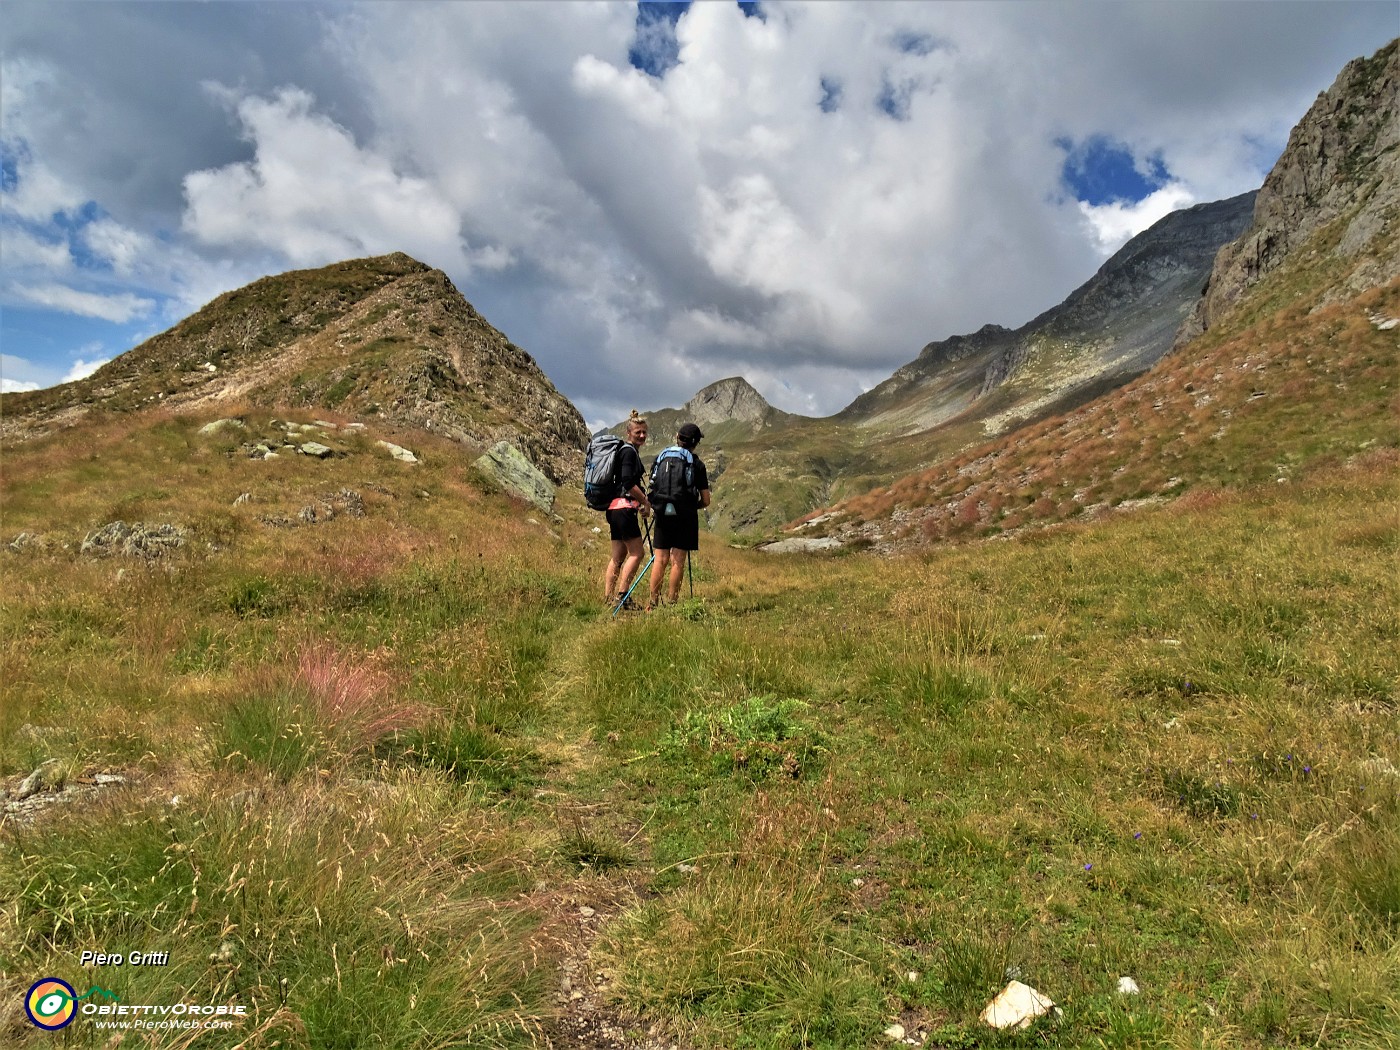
51	1004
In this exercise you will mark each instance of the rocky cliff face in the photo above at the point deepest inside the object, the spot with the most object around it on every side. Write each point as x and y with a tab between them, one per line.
729	399
1342	167
386	337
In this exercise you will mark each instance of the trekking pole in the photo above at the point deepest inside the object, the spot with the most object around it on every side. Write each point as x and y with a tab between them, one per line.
690	571
623	600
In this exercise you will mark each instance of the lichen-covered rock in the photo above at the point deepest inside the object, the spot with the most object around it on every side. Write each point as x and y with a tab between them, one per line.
139	540
507	465
400	453
220	425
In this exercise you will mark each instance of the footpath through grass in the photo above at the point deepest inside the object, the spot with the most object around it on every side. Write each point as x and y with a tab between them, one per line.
368	765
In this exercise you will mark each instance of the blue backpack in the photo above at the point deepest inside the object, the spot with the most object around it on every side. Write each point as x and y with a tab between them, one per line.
673	480
600	484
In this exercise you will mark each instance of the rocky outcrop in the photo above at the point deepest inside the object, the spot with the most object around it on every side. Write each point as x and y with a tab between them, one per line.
140	540
1341	165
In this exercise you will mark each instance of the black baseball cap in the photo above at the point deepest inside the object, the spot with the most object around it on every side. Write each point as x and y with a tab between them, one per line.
689	432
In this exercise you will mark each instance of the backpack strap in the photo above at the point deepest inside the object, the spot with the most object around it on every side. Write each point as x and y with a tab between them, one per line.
673	452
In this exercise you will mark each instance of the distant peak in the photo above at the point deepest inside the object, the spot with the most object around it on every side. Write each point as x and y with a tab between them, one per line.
732	398
735	385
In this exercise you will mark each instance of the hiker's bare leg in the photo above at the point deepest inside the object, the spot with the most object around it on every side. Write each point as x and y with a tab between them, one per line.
678	558
658	573
633	548
619	553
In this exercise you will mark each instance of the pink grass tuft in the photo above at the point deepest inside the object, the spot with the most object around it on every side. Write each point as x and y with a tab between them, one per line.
354	696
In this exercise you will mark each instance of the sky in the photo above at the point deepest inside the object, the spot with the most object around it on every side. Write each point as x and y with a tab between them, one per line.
646	197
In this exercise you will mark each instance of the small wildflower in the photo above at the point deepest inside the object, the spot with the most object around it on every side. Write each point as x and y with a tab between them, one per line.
1254	816
1307	770
1137	834
1088	867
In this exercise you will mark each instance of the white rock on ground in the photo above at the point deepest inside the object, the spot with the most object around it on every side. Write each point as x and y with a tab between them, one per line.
403	455
1016	1006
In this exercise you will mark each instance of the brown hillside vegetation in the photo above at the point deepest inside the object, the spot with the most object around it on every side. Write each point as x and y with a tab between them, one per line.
1300	390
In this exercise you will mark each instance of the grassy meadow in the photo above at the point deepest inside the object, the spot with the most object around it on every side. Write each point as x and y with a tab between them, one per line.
390	778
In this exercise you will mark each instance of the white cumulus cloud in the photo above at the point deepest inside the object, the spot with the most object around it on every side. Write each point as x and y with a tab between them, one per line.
118	308
82	369
1116	223
314	195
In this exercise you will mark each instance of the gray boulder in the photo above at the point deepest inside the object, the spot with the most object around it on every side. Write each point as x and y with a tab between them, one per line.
801	545
507	465
400	453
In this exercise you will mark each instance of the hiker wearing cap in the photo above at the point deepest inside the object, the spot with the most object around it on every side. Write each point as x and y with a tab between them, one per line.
623	529
680	489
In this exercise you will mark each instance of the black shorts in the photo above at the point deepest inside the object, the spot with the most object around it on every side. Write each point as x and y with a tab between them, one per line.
680	531
622	525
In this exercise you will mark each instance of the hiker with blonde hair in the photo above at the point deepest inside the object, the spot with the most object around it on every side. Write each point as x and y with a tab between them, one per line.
624	531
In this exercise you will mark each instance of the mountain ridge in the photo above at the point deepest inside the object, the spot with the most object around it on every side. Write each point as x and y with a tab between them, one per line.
385	337
1113	326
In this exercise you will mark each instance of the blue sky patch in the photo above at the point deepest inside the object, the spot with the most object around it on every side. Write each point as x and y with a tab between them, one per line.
53	342
831	95
912	43
654	49
752	10
894	99
1100	170
9	171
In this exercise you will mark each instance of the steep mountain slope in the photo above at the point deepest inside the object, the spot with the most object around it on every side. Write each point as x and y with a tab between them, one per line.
1297	368
1108	330
387	338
